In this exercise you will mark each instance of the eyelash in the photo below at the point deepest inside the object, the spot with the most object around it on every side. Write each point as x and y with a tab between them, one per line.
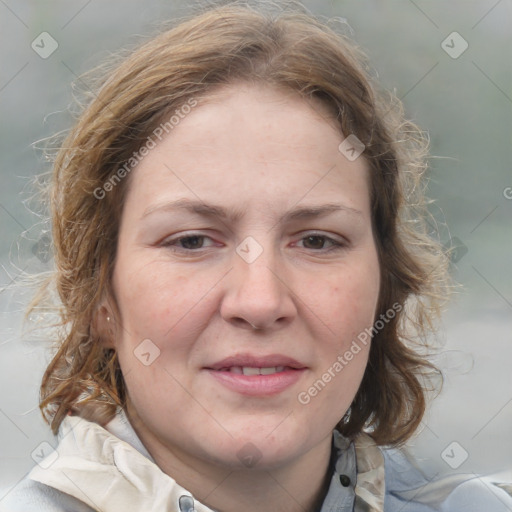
172	243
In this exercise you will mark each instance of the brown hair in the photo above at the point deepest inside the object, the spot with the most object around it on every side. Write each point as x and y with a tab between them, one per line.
220	46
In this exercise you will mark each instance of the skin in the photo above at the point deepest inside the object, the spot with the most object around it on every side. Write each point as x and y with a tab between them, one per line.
259	152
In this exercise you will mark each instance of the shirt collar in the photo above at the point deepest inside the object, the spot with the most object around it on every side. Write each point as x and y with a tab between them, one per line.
357	481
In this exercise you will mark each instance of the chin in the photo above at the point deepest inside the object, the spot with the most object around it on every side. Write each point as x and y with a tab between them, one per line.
262	445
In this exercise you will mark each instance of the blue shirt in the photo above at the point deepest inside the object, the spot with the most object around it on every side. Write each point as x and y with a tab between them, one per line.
407	489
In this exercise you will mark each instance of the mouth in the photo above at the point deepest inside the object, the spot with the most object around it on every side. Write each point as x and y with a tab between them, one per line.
271	363
251	370
257	376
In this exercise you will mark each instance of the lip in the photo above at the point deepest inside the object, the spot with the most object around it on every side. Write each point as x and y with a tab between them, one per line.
257	385
267	361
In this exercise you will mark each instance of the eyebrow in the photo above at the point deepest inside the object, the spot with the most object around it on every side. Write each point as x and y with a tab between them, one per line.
213	211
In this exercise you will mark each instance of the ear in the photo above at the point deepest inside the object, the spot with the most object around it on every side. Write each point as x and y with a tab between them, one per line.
104	325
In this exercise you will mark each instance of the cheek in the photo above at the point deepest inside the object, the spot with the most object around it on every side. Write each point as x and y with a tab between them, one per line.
156	300
170	308
347	306
162	313
347	302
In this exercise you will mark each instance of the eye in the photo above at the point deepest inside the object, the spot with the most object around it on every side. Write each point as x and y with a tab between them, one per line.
189	242
318	242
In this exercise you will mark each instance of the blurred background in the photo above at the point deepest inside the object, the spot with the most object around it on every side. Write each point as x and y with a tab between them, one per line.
450	62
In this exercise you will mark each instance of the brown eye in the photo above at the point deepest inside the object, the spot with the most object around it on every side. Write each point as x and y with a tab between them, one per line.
189	243
192	242
314	242
318	242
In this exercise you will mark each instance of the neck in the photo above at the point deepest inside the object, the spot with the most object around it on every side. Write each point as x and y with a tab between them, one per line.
298	489
297	486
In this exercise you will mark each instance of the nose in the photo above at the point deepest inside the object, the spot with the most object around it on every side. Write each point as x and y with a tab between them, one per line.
257	294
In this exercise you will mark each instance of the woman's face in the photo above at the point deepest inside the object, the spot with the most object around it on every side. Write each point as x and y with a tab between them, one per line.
246	267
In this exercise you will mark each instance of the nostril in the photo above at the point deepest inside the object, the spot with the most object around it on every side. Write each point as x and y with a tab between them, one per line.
241	322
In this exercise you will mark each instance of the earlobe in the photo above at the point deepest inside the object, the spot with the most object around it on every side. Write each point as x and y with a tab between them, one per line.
104	325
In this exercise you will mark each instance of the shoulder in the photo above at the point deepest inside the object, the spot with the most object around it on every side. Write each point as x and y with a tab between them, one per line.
406	484
31	496
477	494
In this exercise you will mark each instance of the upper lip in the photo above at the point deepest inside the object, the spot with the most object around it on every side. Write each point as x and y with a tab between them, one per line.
253	361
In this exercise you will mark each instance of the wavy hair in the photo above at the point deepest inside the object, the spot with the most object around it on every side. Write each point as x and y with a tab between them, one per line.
135	93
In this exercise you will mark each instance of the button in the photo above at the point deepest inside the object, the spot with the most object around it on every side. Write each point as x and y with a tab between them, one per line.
344	480
186	503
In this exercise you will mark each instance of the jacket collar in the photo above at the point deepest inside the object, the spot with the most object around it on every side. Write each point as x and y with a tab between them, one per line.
109	469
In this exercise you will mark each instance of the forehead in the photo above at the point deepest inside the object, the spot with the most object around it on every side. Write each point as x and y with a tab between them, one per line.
254	113
248	144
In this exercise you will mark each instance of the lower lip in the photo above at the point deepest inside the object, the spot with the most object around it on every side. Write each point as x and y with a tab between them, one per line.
258	385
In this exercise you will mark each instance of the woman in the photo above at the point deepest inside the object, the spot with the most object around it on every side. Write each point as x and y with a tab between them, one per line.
241	260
